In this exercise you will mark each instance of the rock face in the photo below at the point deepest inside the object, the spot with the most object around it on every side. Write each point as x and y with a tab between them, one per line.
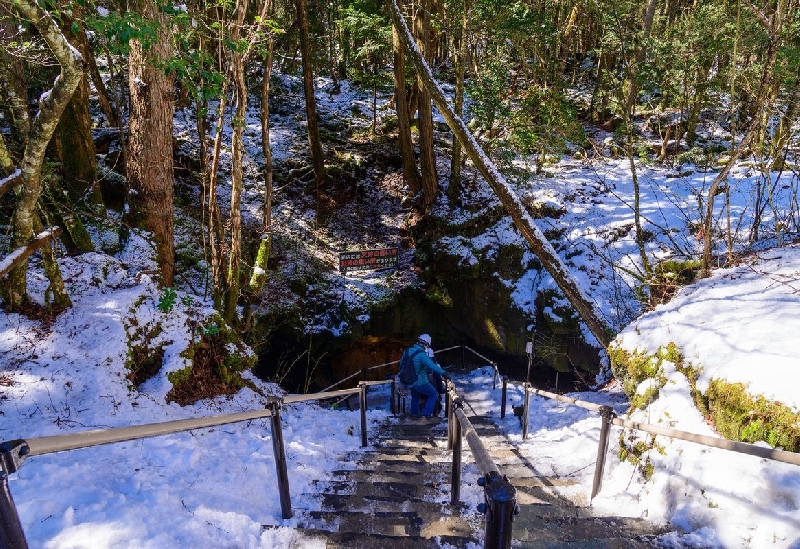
463	299
475	293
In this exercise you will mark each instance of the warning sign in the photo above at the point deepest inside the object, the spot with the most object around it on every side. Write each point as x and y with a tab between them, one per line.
366	260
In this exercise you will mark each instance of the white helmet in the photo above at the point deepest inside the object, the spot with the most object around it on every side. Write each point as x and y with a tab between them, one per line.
425	339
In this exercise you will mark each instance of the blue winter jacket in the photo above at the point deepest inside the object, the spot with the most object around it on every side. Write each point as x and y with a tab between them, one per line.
423	364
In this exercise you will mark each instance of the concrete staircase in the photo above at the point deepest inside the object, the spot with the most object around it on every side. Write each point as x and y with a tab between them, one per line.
396	494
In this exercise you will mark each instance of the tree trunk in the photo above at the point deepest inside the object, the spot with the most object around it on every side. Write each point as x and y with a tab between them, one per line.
784	131
638	56
51	106
15	87
410	172
458	104
82	43
259	275
773	27
511	202
149	163
317	155
233	279
213	216
427	157
74	147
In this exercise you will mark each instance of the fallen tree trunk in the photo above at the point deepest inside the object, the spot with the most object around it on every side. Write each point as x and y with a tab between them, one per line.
21	254
524	222
8	183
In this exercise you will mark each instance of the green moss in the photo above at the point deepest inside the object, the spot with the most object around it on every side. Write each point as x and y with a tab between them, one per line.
632	368
179	376
216	360
669	276
735	413
144	357
438	294
738	415
636	451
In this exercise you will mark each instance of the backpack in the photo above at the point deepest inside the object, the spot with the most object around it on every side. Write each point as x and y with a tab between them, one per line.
407	373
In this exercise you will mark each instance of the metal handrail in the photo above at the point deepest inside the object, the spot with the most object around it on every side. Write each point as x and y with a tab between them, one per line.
500	496
609	418
14	452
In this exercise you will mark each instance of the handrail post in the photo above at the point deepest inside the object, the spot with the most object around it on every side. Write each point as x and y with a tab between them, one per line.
451	417
607	413
280	456
525	409
363	398
395	404
500	506
494	379
12	536
455	442
503	398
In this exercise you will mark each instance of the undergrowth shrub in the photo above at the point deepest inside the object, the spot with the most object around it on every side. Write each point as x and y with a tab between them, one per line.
216	360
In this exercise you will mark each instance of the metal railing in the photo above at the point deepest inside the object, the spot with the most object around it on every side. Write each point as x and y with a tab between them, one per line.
499	495
499	504
13	453
609	418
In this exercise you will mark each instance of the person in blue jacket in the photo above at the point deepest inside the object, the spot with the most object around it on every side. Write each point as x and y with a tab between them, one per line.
422	386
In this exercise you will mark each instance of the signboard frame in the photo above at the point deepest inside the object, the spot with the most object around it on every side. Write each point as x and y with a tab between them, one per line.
374	259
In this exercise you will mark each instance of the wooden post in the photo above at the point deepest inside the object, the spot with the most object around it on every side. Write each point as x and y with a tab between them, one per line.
12	535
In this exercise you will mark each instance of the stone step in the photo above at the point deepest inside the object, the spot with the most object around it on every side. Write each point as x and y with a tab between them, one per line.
388	504
393	523
608	543
411	475
400	491
353	540
396	493
543	523
428	459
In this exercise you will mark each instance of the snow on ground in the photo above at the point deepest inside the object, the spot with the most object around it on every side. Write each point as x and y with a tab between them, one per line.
216	487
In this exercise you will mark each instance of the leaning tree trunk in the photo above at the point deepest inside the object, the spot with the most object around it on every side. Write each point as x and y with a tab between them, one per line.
149	164
317	156
51	106
511	202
